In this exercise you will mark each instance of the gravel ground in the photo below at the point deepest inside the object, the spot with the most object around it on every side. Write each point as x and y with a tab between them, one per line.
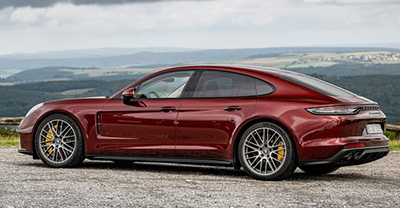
25	182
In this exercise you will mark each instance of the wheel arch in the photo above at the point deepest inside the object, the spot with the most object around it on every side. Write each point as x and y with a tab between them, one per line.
47	114
251	122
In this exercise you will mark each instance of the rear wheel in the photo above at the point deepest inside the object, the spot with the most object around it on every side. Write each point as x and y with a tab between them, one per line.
318	170
59	142
266	152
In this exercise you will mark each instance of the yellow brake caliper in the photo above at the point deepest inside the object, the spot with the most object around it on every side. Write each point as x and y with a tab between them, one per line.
50	137
281	153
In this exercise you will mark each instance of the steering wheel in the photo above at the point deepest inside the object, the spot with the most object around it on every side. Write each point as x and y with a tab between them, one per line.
153	93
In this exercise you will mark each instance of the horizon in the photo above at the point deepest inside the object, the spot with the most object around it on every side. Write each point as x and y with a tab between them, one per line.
143	49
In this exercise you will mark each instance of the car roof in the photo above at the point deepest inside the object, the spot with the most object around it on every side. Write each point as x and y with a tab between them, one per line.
266	70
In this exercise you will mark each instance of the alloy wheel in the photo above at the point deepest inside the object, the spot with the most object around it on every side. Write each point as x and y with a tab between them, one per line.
57	141
264	151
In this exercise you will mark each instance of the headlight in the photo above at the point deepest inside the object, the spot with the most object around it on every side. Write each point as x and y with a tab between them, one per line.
334	110
33	109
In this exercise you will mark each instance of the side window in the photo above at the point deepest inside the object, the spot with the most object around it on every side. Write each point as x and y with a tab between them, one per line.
168	85
263	88
224	84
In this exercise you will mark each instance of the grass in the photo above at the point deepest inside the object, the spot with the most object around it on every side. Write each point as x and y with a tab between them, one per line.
394	145
8	138
394	138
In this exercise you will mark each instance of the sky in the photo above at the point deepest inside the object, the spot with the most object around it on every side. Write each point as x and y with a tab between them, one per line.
48	25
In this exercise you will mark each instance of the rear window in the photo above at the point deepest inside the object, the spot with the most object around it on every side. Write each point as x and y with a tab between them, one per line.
319	85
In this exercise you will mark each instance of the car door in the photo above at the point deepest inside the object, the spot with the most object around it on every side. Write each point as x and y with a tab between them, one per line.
216	106
148	128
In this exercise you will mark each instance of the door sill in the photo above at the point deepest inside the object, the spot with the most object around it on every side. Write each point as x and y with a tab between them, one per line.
198	161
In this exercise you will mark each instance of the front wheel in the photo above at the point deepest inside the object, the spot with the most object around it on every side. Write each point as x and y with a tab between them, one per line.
266	152
59	142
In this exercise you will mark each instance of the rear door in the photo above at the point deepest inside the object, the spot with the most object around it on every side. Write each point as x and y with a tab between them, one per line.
217	105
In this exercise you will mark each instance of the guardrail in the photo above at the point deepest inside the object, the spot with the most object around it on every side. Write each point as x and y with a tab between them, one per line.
10	120
17	120
391	127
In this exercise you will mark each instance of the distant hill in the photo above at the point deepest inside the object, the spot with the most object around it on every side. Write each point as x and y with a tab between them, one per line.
91	53
352	69
162	58
18	99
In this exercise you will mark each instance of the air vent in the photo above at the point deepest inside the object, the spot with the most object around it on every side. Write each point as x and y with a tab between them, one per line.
368	108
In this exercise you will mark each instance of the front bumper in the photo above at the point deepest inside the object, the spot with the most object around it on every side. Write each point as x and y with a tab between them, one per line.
350	156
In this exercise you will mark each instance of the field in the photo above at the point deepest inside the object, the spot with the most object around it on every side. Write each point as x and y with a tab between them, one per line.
304	60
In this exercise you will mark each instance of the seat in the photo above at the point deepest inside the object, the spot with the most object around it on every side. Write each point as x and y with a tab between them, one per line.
212	90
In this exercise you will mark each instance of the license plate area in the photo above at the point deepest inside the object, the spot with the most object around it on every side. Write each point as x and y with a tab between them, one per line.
374	129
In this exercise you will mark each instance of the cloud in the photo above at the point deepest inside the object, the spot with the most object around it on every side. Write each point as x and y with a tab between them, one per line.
48	3
197	24
350	2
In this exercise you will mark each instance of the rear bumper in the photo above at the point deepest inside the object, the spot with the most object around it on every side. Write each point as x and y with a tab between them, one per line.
351	156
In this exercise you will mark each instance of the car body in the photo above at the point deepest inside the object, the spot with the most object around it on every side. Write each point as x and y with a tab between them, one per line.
202	121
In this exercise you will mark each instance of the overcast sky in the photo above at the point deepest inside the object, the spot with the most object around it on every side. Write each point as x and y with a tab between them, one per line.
45	25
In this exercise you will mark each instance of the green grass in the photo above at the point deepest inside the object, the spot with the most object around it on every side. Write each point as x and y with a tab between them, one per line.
8	138
394	145
394	138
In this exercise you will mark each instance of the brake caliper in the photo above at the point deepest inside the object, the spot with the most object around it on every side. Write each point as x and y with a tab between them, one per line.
49	137
281	153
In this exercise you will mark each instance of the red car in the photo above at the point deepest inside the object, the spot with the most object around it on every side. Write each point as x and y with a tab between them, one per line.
267	121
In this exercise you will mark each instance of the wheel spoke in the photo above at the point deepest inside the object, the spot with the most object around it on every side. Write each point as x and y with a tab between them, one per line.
270	138
262	140
277	154
251	152
50	130
276	160
66	128
67	150
278	150
254	138
251	147
45	142
62	158
55	154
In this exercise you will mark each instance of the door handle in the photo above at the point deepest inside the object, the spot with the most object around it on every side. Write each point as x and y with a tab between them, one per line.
233	108
167	109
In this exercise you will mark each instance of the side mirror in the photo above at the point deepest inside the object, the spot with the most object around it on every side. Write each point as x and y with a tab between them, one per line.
128	96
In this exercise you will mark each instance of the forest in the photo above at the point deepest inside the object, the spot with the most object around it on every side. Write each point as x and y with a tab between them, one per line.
18	99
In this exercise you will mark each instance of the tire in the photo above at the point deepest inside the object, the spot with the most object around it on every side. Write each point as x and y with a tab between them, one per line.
59	142
318	170
273	163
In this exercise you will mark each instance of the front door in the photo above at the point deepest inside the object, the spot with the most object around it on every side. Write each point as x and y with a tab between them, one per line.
147	129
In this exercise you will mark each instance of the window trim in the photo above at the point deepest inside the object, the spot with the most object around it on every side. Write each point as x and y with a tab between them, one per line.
118	97
192	84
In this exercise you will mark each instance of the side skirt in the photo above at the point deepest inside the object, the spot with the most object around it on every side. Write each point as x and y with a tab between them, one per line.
211	161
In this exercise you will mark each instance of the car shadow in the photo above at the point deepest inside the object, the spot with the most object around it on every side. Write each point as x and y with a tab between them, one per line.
218	171
184	169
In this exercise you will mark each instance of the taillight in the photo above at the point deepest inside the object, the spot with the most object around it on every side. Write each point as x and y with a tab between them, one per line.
334	110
